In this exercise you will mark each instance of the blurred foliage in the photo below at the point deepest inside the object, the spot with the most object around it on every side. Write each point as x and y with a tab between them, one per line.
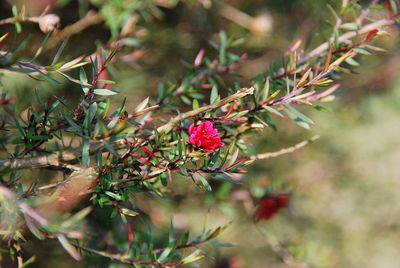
343	192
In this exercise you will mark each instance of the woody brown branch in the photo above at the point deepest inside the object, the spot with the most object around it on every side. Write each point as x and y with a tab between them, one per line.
288	150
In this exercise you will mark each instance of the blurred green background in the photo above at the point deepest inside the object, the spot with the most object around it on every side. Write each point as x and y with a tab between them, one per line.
345	195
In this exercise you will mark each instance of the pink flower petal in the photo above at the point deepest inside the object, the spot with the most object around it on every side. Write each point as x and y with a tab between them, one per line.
205	136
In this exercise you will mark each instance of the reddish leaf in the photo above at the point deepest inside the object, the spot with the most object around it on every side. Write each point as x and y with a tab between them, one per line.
103	73
148	152
371	35
131	236
388	8
199	58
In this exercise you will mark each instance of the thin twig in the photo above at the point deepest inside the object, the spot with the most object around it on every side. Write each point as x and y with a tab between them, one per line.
122	259
52	160
238	95
366	12
91	18
365	29
19	19
57	159
285	150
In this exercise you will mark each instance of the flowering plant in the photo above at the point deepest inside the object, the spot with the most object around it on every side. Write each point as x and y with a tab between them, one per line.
113	161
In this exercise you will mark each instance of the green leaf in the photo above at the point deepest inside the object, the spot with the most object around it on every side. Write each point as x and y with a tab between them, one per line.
163	178
59	51
233	158
86	151
28	262
265	90
186	100
272	110
362	51
83	79
214	95
204	181
223	38
21	47
237	42
109	82
95	65
40	49
298	117
352	26
336	38
195	256
110	149
55	67
230	148
72	123
142	105
90	115
393	6
122	107
352	62
195	104
54	106
185	238
73	79
267	118
34	229
161	92
68	247
222	49
113	195
180	146
76	218
214	158
49	78
129	212
217	231
104	92
82	75
14	11
131	42
171	245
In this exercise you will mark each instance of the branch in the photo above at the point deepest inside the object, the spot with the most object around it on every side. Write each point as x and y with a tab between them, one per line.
365	29
19	19
122	259
58	159
52	160
238	95
285	150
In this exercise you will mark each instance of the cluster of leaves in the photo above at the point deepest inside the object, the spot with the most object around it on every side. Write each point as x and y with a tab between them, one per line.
112	154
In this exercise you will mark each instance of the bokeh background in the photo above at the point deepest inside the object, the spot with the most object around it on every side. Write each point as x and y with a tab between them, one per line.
344	188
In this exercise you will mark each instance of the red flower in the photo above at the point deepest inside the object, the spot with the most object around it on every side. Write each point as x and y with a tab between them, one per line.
270	206
205	136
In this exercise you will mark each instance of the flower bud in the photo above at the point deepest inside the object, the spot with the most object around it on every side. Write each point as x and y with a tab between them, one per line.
49	23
